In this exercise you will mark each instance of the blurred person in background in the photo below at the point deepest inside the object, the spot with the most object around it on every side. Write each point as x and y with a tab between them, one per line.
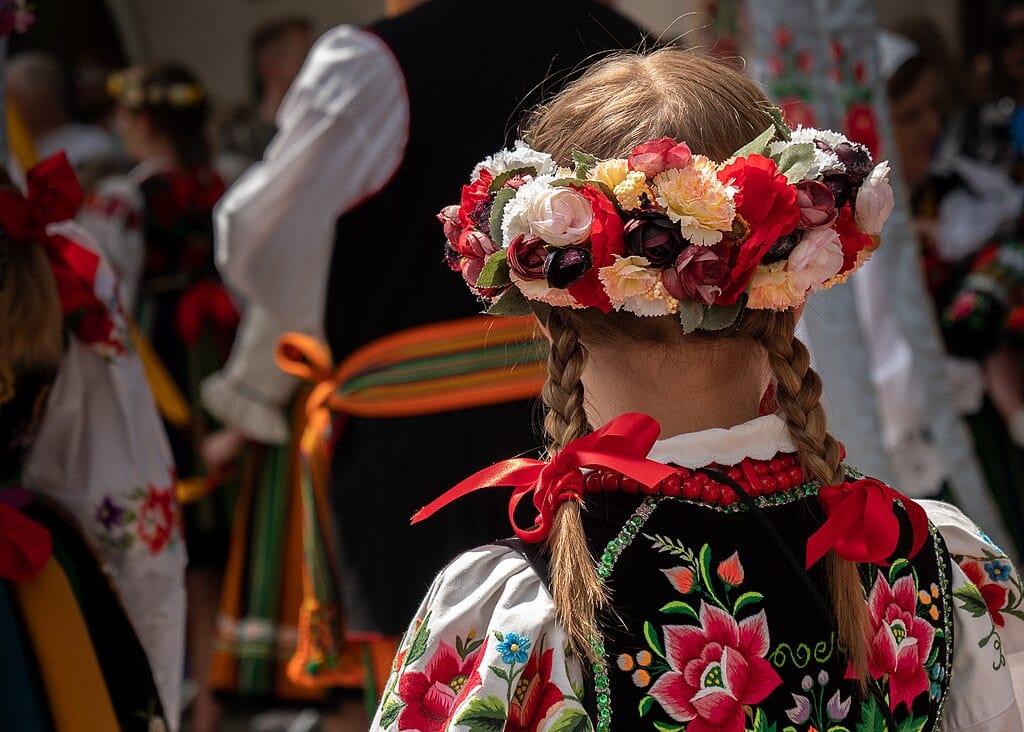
967	215
276	53
37	87
155	224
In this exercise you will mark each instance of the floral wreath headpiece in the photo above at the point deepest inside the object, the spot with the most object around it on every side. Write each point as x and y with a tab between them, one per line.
128	89
666	231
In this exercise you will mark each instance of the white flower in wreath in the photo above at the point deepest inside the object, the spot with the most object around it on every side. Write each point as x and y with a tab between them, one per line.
558	215
520	156
874	200
815	260
825	161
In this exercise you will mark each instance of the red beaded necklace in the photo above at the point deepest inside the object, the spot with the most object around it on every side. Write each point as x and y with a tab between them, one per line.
756	477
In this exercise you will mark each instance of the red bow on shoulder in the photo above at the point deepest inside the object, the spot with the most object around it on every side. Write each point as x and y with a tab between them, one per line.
25	545
54	194
861	523
621	445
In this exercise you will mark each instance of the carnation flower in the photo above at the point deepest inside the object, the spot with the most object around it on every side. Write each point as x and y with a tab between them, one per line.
610	172
541	291
631	191
652	304
656	156
558	215
824	159
520	156
874	200
693	196
771	288
627	277
815	260
606	241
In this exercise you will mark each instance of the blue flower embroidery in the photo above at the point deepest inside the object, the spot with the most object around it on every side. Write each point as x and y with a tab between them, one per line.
514	649
998	571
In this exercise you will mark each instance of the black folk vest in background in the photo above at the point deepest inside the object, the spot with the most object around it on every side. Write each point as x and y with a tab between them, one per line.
472	69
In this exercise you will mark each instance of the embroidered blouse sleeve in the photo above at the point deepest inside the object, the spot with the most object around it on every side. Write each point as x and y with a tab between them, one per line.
113	215
485	632
343	129
988	627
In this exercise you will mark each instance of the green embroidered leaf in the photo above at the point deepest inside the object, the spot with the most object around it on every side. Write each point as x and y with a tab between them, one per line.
571	720
419	642
651	634
781	128
484	715
584	163
679	608
705	564
500	672
662	727
691	315
499	181
495	271
747	598
761	722
511	304
128	517
499	636
896	568
913	724
720	317
795	160
645	705
389	711
972	601
501	199
758	145
472	646
871	717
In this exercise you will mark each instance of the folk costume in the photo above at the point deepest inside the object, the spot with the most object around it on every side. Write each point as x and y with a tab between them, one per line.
359	133
709	543
92	598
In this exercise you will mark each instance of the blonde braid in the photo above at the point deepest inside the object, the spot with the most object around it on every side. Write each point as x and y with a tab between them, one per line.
577	591
798	395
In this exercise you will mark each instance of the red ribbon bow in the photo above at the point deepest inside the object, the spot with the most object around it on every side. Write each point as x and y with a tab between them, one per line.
621	445
25	545
861	523
54	194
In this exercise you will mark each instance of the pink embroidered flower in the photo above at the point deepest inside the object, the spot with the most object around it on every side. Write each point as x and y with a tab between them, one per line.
156	519
901	642
534	695
430	695
717	668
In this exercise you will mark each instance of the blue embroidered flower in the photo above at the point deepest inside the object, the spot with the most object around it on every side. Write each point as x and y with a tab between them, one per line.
937	674
109	513
998	571
514	649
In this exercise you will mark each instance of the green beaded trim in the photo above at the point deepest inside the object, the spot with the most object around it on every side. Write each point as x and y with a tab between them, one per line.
615	547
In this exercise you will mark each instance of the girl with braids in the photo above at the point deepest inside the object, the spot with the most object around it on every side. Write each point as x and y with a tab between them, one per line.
700	557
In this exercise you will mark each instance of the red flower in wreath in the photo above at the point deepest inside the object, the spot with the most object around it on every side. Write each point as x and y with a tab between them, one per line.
901	641
474	197
862	127
606	240
766	201
156	519
432	694
993	594
852	240
534	695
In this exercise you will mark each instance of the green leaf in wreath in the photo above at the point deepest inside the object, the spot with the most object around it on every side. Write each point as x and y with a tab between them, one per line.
419	642
781	128
389	712
572	720
584	163
691	315
645	705
501	199
757	146
484	715
720	317
499	181
747	598
495	271
795	160
651	634
677	607
512	304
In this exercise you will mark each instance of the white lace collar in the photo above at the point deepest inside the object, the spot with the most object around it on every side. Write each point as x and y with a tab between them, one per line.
762	438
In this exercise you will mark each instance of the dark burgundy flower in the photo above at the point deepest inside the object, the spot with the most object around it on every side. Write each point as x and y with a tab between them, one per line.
654	236
526	257
698	274
782	248
449	217
476	244
841	186
567	265
655	156
856	159
817	204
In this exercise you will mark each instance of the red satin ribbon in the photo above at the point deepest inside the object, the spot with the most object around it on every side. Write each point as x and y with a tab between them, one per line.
25	545
621	445
205	303
861	523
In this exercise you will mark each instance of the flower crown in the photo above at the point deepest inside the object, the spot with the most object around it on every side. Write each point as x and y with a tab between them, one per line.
666	231
128	89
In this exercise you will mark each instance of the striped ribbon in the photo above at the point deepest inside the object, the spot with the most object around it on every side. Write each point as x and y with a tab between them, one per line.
434	368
